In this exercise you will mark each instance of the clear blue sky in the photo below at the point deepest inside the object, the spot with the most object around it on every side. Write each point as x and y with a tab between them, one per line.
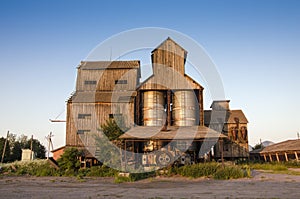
254	44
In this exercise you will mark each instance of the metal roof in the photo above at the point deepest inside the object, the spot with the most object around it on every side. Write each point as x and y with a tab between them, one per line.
172	132
288	145
101	65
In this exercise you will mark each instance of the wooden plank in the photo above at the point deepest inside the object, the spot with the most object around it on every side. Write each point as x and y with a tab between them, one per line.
277	157
286	157
169	107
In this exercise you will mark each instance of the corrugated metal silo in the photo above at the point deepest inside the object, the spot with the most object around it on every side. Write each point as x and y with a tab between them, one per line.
153	108
185	108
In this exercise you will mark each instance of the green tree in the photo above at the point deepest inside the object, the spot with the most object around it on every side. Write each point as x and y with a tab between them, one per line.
258	146
69	160
113	128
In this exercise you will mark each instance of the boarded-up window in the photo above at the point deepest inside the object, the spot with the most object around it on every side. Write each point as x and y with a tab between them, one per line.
90	82
121	81
115	116
83	131
84	116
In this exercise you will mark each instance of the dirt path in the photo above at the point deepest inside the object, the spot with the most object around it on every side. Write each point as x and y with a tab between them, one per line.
262	185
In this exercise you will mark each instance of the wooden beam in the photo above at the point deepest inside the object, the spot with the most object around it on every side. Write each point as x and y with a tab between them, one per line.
169	108
265	158
296	155
5	143
201	108
277	157
286	157
270	156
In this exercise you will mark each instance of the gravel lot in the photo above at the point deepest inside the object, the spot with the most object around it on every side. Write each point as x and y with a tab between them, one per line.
262	185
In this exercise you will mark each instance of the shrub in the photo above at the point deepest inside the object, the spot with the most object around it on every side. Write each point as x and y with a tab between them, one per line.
34	168
197	170
229	172
69	162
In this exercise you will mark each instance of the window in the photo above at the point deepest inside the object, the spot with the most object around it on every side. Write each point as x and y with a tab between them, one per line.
84	116
120	81
83	131
90	82
117	116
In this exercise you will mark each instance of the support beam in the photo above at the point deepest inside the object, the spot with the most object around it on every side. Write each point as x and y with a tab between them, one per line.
296	155
286	157
4	148
270	156
169	107
201	109
277	157
265	158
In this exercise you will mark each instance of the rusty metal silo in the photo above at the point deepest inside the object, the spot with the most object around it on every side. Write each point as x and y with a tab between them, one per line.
153	108
185	108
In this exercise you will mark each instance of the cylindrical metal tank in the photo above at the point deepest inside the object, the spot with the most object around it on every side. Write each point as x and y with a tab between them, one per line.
153	108
185	109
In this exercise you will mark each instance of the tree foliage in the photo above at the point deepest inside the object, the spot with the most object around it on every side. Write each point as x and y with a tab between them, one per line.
15	145
113	128
69	160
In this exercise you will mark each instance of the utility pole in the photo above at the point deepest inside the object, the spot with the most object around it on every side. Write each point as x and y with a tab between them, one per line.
3	153
31	158
298	135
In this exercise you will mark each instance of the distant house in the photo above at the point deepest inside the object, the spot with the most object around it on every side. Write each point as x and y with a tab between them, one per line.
283	151
27	154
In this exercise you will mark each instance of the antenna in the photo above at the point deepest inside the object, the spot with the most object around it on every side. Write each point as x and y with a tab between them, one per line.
48	138
56	119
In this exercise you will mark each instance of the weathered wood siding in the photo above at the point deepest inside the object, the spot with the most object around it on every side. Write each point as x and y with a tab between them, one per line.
169	54
107	80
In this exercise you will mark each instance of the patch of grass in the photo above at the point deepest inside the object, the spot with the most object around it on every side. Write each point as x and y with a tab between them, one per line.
121	179
34	168
229	172
269	166
196	170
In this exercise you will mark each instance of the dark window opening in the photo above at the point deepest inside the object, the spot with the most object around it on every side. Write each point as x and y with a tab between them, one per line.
84	116
90	82
112	116
83	131
120	81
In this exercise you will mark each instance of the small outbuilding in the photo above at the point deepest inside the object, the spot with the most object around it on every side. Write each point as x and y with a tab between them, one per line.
27	154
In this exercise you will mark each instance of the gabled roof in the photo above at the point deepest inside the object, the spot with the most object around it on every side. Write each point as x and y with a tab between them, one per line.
288	145
230	116
100	65
173	132
165	42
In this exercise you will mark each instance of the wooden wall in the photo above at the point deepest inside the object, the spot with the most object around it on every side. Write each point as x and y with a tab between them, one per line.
106	79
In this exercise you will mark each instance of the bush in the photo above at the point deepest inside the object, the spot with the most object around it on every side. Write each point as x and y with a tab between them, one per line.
229	172
69	163
197	170
33	168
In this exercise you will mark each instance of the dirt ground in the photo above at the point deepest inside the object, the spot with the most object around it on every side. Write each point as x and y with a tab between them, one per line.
261	185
